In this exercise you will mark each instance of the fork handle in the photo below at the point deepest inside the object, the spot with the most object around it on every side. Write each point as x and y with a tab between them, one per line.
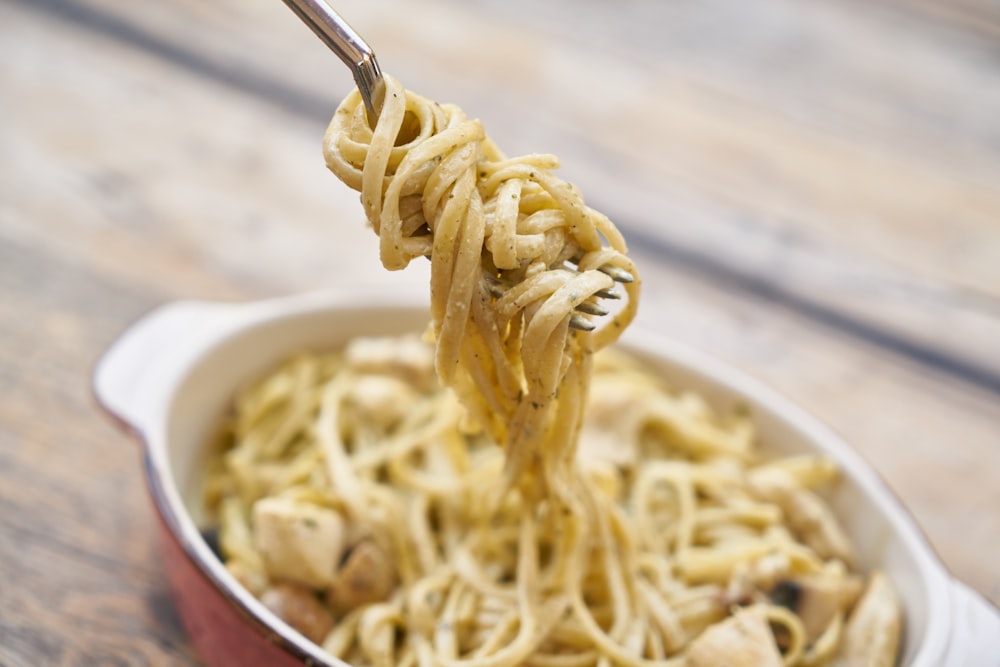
341	38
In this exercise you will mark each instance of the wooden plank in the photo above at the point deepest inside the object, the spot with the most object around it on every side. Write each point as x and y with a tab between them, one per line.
838	183
965	17
152	156
78	553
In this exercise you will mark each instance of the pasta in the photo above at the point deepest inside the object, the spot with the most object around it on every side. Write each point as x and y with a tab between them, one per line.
362	496
489	224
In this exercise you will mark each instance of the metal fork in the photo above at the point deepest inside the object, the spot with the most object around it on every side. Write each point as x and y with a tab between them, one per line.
342	39
359	57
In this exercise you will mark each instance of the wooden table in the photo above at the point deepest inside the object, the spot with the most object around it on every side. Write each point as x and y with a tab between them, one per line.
812	190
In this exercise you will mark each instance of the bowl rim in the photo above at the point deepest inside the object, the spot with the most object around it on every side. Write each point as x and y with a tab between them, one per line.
146	420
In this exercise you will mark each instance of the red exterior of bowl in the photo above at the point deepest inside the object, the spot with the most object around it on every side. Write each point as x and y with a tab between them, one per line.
220	632
221	628
221	637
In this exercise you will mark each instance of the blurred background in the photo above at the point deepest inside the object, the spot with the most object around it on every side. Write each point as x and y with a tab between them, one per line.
811	189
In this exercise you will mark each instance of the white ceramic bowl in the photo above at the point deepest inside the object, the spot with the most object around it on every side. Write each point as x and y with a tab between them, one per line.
171	376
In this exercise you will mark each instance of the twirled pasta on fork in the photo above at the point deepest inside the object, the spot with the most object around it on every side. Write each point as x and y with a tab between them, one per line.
515	252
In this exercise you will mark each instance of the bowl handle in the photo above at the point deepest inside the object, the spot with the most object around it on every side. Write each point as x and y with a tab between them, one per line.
975	637
120	374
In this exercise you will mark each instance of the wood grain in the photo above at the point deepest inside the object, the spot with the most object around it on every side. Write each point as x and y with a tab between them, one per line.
812	190
81	580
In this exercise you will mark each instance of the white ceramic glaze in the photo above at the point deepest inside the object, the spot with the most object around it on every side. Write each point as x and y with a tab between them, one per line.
172	375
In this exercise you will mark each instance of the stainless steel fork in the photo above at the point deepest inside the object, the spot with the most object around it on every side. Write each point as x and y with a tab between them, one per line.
355	52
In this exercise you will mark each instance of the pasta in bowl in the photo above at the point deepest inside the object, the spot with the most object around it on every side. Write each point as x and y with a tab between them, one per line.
361	506
173	376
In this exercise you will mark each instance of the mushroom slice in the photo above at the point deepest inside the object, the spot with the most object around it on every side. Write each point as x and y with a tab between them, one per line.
298	606
367	576
816	600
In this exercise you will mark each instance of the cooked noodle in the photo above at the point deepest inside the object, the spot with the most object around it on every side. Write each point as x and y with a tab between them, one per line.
620	523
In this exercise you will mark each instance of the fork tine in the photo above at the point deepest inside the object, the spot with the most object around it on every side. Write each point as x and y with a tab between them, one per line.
577	320
617	274
495	287
591	307
610	293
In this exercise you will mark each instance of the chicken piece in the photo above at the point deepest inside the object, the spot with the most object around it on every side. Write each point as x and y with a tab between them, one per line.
382	400
407	357
612	419
367	576
816	599
298	606
871	636
810	517
299	542
743	640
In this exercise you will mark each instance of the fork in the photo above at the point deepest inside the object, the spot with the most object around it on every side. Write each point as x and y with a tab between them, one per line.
354	51
359	57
